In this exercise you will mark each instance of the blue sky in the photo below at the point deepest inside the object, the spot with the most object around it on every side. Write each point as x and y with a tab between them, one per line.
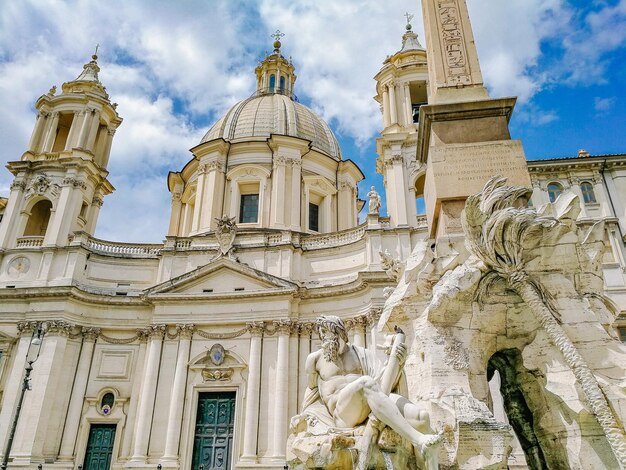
176	67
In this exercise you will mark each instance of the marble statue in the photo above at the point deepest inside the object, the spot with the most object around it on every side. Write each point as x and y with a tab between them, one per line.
374	201
348	386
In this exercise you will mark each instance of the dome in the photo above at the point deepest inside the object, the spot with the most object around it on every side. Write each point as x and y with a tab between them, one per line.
261	116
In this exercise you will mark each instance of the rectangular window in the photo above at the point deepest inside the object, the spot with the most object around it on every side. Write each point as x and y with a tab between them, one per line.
249	209
314	217
622	334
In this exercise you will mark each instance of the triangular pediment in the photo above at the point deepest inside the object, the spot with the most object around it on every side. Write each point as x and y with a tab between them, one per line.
222	276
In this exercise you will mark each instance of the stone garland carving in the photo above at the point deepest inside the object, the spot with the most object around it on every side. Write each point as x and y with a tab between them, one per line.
230	335
26	327
58	327
40	185
110	340
187	330
279	161
216	165
393	159
74	182
18	185
501	233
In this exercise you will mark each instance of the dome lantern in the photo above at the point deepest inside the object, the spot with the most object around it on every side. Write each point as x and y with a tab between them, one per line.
275	75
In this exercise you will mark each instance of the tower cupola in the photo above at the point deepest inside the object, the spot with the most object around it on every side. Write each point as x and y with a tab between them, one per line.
275	74
61	179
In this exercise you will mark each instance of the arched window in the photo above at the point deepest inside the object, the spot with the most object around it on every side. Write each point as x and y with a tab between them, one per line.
554	191
420	204
589	197
282	85
272	83
38	219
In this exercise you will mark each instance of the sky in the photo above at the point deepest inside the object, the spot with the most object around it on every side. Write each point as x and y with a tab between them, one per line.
174	67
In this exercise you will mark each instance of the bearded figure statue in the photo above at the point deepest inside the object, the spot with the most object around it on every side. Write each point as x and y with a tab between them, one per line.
352	414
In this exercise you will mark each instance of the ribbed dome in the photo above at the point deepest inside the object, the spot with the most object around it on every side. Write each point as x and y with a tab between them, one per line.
261	116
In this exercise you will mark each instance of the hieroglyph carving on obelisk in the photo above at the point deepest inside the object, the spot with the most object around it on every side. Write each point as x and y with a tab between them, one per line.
452	57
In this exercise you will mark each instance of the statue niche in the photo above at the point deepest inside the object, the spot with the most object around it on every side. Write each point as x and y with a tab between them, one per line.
354	413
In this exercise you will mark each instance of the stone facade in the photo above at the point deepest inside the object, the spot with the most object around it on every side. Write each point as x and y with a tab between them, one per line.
145	323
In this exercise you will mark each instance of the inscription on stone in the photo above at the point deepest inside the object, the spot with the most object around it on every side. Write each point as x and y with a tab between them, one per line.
453	42
478	162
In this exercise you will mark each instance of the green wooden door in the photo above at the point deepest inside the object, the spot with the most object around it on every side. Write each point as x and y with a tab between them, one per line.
215	423
100	447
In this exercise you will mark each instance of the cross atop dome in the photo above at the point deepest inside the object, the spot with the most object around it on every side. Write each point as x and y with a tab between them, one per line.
275	75
408	17
277	35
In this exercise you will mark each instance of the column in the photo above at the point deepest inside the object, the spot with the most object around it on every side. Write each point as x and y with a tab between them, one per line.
148	392
35	137
72	421
12	213
294	370
175	216
400	188
392	104
345	204
574	183
200	190
281	390
326	216
73	130
359	333
408	106
13	384
131	422
212	178
304	331
296	191
84	128
68	207
33	426
175	420
253	393
52	133
93	131
96	204
386	118
278	192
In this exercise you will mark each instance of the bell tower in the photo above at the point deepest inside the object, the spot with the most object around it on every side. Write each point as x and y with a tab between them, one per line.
61	179
401	89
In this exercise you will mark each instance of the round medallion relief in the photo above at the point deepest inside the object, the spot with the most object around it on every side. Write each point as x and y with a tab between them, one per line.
18	266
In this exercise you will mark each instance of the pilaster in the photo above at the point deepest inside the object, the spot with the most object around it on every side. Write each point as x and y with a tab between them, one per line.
281	390
72	421
253	391
148	394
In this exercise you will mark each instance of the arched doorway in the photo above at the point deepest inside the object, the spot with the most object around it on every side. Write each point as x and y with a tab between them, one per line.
38	219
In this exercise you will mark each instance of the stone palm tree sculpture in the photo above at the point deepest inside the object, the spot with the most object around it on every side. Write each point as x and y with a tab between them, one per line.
507	236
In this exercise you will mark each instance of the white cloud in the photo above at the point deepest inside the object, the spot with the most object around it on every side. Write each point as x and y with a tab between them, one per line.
338	47
602	105
175	67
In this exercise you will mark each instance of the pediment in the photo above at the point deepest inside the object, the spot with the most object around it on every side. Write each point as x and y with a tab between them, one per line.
222	276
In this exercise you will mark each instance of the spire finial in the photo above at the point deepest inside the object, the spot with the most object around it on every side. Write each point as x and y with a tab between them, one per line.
277	35
95	54
408	17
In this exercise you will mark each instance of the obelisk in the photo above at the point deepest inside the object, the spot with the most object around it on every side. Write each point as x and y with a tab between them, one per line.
463	133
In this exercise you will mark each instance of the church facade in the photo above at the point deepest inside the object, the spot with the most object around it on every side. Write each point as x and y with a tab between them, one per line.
191	352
